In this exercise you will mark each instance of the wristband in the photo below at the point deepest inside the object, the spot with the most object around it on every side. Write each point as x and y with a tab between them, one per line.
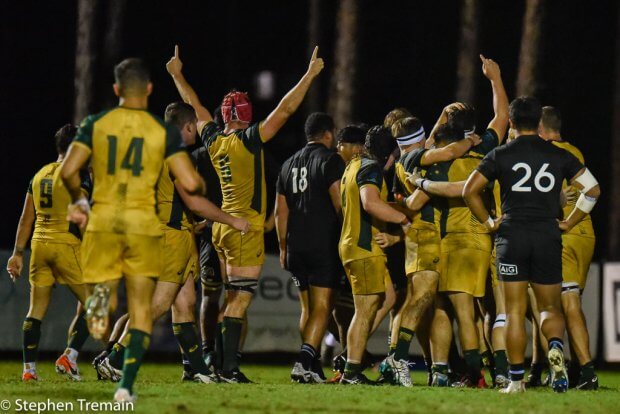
490	223
405	221
83	204
426	184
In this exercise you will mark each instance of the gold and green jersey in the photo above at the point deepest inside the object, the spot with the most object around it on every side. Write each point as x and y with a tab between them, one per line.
170	207
128	148
408	163
238	160
584	227
51	199
357	238
455	216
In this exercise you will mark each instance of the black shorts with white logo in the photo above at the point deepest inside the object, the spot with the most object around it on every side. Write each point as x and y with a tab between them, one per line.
529	255
210	273
319	269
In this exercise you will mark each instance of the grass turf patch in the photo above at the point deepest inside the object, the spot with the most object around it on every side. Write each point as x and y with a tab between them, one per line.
160	390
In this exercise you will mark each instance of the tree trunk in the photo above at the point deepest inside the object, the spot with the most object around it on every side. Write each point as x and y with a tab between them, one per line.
85	54
343	77
527	77
613	250
314	38
467	61
112	45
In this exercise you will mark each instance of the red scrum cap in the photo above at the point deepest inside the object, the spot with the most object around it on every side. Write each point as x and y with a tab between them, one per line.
236	106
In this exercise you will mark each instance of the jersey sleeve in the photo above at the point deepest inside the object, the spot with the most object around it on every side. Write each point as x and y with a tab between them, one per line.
208	131
252	139
30	186
85	181
489	140
334	169
174	143
414	159
488	166
85	132
572	165
370	174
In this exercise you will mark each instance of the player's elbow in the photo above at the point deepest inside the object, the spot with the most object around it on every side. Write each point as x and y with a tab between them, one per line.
594	192
194	185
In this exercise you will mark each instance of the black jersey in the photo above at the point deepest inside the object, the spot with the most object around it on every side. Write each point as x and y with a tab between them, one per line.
304	180
209	175
530	172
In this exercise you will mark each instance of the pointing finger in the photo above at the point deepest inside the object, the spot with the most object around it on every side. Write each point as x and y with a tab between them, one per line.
176	51
315	53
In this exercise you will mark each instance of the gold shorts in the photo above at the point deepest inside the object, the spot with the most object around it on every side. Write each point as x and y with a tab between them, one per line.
110	256
368	276
422	250
239	250
577	252
465	261
493	268
180	256
54	263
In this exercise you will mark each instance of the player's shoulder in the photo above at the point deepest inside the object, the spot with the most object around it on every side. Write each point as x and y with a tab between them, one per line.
91	119
567	146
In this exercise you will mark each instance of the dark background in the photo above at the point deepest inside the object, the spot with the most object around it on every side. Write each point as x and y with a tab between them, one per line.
406	57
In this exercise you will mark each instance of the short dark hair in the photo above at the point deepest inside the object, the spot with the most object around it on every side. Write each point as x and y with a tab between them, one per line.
406	126
318	123
394	115
379	143
132	74
351	134
179	114
525	113
447	134
551	118
464	119
63	137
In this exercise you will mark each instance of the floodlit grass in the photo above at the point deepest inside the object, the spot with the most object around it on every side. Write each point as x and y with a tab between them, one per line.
160	391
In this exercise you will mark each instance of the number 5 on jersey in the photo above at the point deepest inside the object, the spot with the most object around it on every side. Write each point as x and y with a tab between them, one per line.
133	157
520	186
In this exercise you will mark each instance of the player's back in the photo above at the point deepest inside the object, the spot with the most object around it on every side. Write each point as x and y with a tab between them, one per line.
128	151
584	227
530	172
304	180
51	199
455	216
359	228
238	159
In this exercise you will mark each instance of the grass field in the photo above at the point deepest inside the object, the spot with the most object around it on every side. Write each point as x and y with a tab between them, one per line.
160	391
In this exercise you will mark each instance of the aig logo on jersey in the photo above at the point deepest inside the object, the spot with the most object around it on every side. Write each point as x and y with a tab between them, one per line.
508	269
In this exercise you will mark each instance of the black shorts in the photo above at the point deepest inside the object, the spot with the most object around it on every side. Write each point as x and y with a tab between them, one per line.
210	273
319	269
526	255
396	265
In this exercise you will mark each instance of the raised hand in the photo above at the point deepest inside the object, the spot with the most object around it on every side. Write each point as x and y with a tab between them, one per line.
316	63
174	65
490	68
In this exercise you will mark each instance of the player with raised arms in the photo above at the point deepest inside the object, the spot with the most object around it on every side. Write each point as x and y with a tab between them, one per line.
237	154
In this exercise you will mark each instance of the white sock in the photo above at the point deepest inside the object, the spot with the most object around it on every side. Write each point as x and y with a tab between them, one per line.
72	354
30	366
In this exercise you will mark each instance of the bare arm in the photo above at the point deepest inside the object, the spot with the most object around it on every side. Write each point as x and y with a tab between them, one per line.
472	194
445	189
417	200
183	170
291	101
76	158
334	195
24	231
443	118
202	207
281	214
449	152
189	96
379	209
499	123
577	214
